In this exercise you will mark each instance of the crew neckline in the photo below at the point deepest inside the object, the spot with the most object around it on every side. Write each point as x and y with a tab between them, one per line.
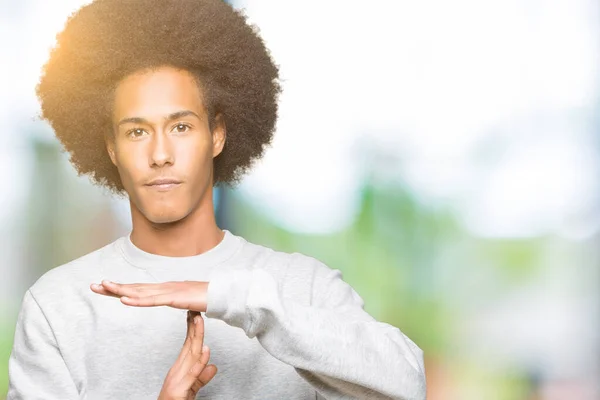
137	257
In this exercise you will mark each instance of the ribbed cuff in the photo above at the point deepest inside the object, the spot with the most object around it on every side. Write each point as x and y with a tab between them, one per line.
226	298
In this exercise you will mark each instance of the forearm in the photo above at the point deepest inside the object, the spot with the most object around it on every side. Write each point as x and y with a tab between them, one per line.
333	349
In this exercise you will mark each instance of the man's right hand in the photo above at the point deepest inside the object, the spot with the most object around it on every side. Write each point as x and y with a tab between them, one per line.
190	372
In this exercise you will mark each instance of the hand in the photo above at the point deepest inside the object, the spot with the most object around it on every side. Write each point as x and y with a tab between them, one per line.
189	373
185	295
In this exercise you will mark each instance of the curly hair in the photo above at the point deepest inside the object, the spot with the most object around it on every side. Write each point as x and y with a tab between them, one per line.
107	40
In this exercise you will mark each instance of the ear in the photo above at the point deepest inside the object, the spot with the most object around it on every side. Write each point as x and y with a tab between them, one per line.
219	135
110	147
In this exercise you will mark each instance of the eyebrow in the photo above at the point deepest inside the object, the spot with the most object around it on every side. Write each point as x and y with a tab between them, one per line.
170	117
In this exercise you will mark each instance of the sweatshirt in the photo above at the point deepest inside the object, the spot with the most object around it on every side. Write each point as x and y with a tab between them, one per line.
279	326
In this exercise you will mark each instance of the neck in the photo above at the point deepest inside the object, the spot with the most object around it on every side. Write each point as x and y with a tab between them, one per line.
192	235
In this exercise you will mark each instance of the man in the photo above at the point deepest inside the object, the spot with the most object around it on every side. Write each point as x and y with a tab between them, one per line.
160	101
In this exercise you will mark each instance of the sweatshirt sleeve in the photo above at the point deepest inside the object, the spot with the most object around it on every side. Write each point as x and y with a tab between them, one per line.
36	369
334	344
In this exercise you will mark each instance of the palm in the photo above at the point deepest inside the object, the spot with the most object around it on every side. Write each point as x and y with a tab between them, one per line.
185	295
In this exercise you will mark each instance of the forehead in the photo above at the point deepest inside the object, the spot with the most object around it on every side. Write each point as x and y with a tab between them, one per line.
157	92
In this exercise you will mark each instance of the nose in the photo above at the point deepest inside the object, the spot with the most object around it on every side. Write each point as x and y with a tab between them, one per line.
161	150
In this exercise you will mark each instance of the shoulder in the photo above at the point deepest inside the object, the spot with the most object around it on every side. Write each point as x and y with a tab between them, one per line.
298	273
292	263
59	281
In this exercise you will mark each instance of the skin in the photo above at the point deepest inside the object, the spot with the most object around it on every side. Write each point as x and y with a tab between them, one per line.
178	222
190	372
161	130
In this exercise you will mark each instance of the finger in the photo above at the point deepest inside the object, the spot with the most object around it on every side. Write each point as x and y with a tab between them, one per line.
121	289
197	342
205	376
175	370
131	289
152	300
101	290
190	379
186	344
115	288
198	334
194	352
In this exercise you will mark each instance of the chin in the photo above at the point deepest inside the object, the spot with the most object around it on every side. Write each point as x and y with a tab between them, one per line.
164	216
165	211
164	219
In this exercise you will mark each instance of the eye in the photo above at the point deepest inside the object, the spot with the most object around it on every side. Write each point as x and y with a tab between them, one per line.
136	132
181	127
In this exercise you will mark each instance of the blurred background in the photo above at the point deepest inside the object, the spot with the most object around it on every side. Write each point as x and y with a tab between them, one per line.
443	155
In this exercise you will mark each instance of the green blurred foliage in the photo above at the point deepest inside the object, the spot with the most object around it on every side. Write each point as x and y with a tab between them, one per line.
7	330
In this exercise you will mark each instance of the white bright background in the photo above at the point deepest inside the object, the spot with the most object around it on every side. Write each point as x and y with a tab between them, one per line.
430	81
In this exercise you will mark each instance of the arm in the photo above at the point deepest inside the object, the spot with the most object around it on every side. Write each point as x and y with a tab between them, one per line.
333	343
36	369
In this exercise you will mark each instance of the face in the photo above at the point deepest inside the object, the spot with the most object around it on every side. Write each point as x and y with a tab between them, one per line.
161	132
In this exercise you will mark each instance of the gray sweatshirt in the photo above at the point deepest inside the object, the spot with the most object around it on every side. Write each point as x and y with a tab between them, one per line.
279	326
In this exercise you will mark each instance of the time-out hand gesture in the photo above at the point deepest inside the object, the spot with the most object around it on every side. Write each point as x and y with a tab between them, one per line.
190	372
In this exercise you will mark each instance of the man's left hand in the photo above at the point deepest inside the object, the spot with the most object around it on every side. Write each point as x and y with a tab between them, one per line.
185	295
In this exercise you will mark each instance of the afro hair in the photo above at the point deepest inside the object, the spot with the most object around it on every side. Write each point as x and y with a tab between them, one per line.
107	40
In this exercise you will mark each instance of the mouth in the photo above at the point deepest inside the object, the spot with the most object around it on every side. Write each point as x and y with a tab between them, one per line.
163	184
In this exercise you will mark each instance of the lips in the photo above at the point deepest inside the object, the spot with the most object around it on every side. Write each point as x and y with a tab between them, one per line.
163	182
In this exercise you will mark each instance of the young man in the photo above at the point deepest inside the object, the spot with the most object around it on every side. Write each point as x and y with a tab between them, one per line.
162	100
